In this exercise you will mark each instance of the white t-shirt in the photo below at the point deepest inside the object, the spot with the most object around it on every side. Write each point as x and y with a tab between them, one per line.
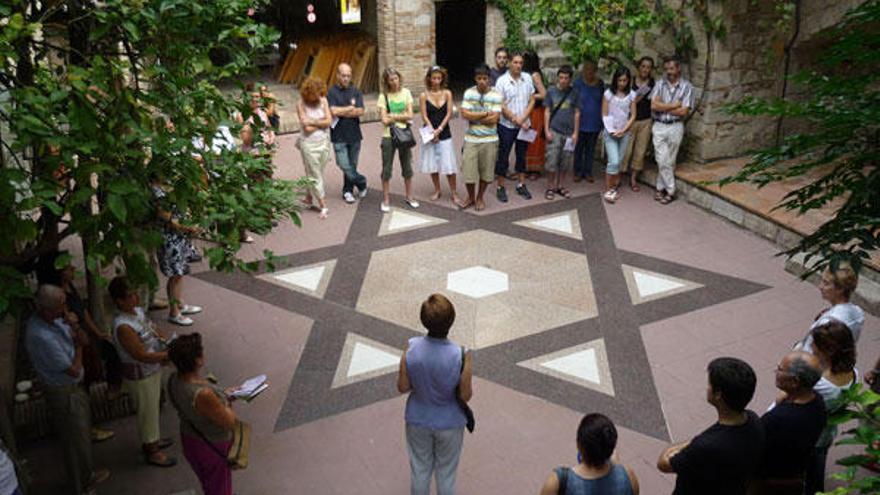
618	109
847	313
517	93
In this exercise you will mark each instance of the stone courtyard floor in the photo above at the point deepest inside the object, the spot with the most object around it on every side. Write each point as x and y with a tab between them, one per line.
571	306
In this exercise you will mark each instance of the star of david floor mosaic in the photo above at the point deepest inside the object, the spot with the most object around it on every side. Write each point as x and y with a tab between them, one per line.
546	301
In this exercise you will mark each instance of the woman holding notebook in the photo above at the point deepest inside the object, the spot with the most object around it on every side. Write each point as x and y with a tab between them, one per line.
206	415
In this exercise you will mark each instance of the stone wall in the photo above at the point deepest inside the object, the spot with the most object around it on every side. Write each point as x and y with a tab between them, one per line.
496	29
406	39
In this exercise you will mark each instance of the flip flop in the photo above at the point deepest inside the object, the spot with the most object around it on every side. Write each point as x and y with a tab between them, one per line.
465	205
565	193
549	194
635	187
669	198
167	463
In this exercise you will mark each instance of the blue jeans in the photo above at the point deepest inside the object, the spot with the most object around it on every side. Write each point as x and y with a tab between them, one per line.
347	161
583	153
507	138
615	148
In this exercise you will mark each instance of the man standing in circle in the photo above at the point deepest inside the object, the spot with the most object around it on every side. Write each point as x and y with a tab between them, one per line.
519	99
671	100
347	107
501	59
481	107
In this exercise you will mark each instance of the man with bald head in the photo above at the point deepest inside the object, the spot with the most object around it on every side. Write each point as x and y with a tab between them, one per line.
347	107
54	343
791	427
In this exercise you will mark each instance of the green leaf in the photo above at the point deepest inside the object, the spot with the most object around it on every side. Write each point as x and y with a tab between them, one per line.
117	206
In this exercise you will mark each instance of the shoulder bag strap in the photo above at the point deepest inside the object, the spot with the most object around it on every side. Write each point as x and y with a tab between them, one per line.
558	105
188	422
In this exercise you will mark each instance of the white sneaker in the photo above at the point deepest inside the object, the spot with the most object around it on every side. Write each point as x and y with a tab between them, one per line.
362	193
188	309
385	207
180	320
412	203
349	197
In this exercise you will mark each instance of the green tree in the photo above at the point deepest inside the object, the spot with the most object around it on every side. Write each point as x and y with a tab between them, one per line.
98	99
597	29
839	144
862	412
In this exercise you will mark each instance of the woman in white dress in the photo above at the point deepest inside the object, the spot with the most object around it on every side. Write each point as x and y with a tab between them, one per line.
438	155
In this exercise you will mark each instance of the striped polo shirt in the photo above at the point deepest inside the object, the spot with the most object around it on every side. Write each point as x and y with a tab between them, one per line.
516	93
474	101
683	91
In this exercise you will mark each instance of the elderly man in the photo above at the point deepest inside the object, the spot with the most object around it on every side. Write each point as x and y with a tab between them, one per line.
671	100
347	107
791	427
54	343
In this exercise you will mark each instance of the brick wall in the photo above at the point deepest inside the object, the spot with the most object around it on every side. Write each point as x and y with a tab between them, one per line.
406	39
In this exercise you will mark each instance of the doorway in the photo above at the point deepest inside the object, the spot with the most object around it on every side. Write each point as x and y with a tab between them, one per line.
461	37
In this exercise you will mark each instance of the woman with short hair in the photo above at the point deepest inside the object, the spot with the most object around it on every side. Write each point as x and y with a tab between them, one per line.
206	415
436	373
597	472
837	287
835	347
141	351
395	107
314	143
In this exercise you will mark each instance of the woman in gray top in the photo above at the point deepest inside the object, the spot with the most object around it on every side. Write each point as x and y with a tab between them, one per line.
206	416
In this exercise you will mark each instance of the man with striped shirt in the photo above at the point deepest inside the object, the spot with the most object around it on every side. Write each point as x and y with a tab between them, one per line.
481	107
671	100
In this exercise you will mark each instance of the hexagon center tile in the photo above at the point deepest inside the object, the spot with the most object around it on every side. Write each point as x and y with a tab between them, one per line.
503	288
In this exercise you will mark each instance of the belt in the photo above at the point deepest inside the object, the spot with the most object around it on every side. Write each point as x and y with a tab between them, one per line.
667	122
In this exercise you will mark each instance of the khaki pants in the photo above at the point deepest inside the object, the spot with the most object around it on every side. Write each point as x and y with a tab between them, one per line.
640	138
315	155
72	420
667	139
146	393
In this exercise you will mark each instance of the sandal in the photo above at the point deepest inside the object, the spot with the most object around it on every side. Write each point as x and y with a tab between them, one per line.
659	195
480	206
669	198
565	193
323	213
464	206
549	194
634	187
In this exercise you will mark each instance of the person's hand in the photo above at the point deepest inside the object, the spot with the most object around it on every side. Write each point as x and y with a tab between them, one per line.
387	120
524	125
677	103
80	339
618	134
71	319
870	377
549	134
574	138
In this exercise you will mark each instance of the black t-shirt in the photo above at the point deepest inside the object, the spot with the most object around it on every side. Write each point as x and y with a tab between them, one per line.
720	460
348	129
495	73
791	431
643	107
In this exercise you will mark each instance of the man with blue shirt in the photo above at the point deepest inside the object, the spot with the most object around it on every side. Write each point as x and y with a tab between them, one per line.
590	89
347	106
54	343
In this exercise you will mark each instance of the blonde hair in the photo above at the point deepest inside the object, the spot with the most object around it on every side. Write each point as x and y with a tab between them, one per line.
386	75
845	279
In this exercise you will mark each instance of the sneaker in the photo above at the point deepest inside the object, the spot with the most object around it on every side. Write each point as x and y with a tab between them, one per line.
188	309
362	193
412	203
180	320
98	476
100	435
523	191
348	197
501	193
385	207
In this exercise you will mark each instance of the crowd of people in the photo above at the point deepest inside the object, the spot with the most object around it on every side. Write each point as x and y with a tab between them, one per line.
551	130
783	451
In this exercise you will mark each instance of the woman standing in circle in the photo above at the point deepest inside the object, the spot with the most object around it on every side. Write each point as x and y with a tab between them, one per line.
618	115
537	148
206	416
395	106
597	471
436	372
314	144
438	156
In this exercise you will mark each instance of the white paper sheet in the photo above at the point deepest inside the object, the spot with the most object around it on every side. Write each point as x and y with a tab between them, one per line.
334	122
250	386
527	135
569	145
427	134
610	124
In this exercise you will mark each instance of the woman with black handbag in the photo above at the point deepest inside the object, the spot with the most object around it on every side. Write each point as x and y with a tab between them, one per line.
396	108
436	373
